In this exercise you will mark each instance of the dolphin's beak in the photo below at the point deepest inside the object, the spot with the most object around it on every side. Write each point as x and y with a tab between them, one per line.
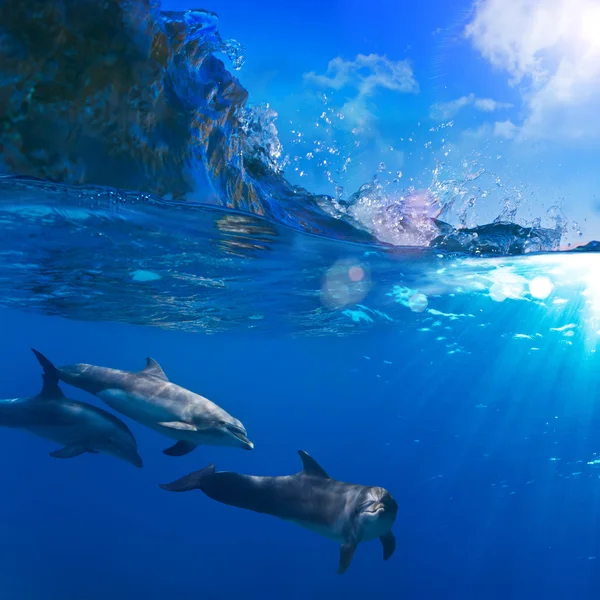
240	435
248	445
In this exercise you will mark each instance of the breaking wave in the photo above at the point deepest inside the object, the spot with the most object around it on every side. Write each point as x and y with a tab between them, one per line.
142	104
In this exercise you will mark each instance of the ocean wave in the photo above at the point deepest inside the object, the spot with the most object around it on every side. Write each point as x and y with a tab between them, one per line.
122	94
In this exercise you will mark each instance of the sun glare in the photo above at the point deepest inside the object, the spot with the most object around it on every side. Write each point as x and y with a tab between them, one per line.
589	20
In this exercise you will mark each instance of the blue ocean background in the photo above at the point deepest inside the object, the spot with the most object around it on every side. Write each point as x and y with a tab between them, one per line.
365	231
487	454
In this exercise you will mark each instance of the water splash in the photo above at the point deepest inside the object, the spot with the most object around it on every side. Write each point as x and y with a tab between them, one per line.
262	138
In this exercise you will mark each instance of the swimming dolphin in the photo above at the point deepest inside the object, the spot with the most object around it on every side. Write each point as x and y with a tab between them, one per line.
344	512
149	398
77	426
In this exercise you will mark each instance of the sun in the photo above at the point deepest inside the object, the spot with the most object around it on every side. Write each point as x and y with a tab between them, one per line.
589	26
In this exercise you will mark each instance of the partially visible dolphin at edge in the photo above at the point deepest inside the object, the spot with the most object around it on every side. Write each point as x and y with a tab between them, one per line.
77	426
148	397
344	512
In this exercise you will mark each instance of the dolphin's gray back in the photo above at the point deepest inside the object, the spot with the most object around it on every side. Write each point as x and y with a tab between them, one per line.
299	497
174	398
95	379
33	412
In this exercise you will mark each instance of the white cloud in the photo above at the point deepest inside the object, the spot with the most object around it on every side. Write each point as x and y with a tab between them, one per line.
551	50
364	76
366	73
442	111
505	129
489	105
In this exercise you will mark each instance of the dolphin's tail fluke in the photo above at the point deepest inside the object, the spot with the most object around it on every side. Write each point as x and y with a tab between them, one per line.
49	368
193	481
50	377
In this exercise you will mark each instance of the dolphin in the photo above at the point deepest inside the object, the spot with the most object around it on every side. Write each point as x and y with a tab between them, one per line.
77	426
344	512
149	398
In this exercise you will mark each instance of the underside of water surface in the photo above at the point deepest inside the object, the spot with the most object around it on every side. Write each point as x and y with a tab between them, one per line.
101	254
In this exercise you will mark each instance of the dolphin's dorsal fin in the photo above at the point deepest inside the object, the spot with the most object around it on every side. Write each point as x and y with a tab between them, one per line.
50	389
154	369
311	466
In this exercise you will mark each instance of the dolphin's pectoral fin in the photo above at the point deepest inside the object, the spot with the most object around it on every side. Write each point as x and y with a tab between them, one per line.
311	466
346	554
179	449
179	425
69	452
154	369
388	541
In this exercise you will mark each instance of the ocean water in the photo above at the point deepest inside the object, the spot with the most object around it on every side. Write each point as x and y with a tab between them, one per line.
406	341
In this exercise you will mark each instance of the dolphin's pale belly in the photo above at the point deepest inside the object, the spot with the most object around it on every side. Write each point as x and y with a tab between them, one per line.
336	531
136	407
147	412
371	530
331	532
65	436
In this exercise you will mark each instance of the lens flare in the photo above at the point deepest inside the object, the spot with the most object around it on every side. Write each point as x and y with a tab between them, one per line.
356	274
345	283
418	302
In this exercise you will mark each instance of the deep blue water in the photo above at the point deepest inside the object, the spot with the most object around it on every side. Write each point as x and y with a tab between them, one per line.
404	342
495	501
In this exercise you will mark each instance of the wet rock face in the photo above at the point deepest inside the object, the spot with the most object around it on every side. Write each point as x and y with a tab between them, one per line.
113	93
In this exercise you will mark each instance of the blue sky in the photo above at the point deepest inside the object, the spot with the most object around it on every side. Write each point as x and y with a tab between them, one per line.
510	86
